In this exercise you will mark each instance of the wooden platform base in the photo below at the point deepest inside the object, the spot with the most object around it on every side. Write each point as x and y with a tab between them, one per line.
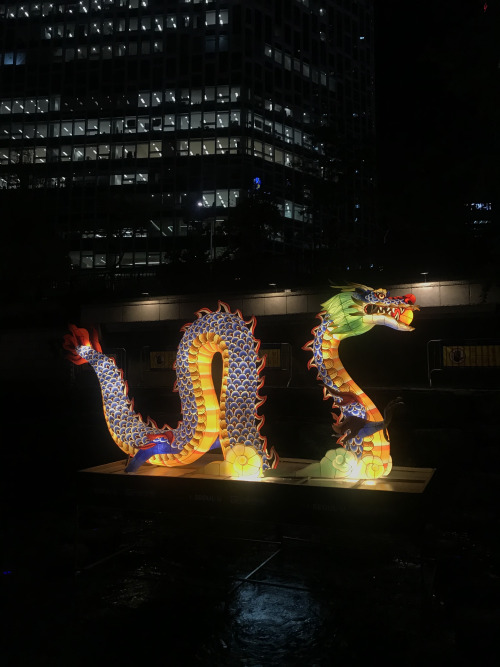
400	497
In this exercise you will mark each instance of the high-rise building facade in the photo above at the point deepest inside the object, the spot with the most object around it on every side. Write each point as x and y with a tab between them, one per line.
137	130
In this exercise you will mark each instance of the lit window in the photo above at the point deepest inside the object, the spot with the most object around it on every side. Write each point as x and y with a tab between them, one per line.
210	18
17	58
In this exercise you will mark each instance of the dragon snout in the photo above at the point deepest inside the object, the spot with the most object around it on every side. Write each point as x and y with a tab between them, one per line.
409	299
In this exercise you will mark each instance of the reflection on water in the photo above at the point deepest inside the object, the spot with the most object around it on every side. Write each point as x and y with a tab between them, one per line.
278	626
194	597
221	599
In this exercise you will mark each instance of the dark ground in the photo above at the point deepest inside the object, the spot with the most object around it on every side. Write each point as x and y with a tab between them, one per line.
98	586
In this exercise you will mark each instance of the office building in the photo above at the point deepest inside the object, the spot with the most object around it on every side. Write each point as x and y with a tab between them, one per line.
136	132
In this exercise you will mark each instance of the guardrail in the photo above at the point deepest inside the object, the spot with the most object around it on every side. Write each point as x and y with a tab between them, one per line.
469	356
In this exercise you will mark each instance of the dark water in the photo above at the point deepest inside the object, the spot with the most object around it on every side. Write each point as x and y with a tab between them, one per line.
227	599
106	587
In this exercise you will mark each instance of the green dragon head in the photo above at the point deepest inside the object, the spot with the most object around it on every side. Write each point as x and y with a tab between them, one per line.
357	308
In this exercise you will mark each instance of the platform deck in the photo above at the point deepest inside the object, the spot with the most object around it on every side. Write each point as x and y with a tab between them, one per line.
401	479
400	496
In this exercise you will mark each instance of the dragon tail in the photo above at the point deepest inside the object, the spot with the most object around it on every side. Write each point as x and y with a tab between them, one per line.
77	338
127	428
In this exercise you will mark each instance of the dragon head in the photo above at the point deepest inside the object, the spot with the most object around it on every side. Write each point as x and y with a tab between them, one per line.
357	308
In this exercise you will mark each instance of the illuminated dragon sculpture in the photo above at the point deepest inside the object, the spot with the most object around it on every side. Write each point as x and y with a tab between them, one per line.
364	451
230	422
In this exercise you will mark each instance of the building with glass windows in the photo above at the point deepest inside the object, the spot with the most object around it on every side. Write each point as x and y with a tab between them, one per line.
133	130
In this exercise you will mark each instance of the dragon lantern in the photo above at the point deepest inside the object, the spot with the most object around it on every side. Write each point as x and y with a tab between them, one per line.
364	450
230	422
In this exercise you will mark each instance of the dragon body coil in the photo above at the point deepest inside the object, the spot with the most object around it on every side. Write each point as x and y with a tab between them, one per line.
230	421
364	450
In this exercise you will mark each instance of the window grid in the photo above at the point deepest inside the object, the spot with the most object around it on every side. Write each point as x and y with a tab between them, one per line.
134	143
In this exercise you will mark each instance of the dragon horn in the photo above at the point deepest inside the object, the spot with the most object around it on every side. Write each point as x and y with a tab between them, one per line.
352	287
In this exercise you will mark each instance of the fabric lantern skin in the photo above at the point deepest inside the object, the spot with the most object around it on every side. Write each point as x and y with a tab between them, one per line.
233	422
364	451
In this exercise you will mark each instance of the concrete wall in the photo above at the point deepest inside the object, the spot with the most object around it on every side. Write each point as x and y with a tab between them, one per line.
449	294
428	295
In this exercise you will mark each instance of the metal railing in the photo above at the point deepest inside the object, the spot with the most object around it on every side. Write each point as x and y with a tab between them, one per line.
478	354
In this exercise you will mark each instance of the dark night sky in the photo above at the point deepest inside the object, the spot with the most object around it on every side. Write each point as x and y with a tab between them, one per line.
437	91
438	139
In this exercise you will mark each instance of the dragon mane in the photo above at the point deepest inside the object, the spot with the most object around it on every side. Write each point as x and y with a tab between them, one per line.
346	310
